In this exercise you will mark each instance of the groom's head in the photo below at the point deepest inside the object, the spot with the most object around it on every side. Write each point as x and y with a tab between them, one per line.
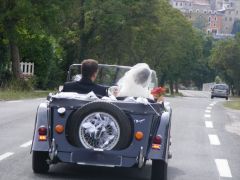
89	69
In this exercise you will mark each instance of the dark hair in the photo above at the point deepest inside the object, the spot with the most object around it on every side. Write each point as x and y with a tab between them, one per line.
89	67
142	76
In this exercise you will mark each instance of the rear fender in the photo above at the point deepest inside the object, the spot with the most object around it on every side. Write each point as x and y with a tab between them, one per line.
41	120
164	131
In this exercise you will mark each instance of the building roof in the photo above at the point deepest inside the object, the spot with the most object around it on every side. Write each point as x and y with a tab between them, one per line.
183	0
201	2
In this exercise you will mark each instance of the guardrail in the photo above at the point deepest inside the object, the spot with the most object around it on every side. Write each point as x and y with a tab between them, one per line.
27	68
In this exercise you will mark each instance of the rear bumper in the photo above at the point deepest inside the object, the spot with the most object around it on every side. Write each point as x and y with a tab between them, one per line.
219	95
97	158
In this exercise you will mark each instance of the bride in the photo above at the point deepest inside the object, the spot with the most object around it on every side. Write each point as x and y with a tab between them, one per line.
136	82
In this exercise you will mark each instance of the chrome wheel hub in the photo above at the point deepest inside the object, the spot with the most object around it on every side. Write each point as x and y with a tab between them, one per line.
99	130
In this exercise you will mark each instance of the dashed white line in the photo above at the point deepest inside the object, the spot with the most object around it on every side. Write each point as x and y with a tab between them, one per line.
209	124
207	115
214	140
223	168
5	155
26	144
40	98
207	111
209	108
14	101
212	104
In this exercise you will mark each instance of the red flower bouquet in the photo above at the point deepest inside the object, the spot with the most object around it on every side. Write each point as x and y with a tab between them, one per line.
158	93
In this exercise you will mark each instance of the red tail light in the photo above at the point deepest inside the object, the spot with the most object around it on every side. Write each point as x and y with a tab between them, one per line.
42	131
157	139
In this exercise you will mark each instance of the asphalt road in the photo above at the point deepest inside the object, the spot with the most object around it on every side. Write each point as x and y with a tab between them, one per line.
205	144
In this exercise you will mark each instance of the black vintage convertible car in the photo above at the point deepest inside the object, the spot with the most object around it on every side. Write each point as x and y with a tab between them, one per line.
89	130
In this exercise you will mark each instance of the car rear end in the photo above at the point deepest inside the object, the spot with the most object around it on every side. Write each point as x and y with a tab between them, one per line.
220	90
149	138
144	122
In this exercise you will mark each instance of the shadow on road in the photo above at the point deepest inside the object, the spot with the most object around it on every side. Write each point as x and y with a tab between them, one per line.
174	173
66	171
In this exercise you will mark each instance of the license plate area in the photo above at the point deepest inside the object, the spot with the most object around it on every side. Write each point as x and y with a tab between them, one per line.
96	158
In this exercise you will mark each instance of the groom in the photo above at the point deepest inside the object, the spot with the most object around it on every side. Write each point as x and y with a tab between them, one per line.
89	71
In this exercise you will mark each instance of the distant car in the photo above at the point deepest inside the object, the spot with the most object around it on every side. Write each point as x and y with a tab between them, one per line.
87	130
220	90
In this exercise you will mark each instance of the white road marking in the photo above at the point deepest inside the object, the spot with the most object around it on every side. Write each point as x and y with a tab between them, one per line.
26	144
223	168
207	115
14	101
209	108
5	155
40	98
212	104
208	124
207	111
214	140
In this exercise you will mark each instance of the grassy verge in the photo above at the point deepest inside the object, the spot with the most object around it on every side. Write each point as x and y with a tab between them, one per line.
233	104
15	95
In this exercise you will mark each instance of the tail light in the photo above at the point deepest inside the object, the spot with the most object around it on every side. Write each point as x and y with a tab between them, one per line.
156	142
157	139
42	132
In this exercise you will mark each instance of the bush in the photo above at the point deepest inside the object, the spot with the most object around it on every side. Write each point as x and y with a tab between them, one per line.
5	76
22	84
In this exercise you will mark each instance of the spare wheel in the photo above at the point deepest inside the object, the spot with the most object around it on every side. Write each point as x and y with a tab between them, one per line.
100	125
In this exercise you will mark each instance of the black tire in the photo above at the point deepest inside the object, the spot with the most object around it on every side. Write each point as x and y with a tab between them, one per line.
226	98
159	170
212	97
99	106
39	162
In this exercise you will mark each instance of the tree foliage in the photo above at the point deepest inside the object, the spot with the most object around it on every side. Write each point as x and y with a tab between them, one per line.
225	59
236	27
54	34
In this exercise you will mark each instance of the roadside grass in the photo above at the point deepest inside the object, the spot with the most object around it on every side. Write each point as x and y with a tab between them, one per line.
16	95
233	104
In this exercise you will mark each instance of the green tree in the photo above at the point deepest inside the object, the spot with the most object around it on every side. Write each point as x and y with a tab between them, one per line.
225	59
236	27
21	17
200	22
202	71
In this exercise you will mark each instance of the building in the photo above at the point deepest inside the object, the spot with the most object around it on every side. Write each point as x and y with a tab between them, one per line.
211	16
215	24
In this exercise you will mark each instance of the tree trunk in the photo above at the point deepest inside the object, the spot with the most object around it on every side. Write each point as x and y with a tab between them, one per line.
84	36
176	87
232	90
82	43
171	87
162	80
15	58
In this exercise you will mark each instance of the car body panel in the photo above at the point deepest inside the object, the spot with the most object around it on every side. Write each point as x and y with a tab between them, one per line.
164	131
41	120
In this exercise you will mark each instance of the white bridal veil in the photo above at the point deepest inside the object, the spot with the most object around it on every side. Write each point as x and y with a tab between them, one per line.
136	82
